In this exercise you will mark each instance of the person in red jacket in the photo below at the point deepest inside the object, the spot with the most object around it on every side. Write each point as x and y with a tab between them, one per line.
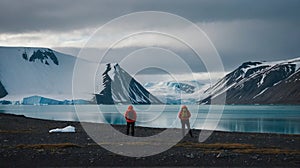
130	116
184	116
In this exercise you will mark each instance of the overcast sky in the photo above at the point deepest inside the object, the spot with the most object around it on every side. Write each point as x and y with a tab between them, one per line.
240	30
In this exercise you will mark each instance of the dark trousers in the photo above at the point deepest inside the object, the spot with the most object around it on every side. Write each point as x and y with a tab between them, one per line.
130	124
187	123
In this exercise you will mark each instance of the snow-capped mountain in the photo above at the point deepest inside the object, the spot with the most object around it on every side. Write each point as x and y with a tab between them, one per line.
175	92
32	72
44	76
259	83
120	87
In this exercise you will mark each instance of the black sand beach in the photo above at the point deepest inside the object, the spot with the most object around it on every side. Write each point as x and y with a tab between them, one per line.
26	142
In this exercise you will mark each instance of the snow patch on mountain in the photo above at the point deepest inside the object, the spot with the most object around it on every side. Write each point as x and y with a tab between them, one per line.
260	93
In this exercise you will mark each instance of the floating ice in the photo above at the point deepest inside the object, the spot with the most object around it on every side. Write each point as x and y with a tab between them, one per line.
66	129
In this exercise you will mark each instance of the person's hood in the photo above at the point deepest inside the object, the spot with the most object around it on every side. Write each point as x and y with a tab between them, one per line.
130	107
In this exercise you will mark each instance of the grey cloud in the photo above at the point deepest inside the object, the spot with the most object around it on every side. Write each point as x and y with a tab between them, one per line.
255	41
36	15
275	36
227	10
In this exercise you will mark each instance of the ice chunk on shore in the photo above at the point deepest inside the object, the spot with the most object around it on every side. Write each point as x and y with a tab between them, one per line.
66	129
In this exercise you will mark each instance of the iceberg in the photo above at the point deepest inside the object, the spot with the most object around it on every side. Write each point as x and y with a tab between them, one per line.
38	100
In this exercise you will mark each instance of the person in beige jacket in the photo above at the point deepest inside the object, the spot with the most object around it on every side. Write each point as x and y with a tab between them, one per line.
184	116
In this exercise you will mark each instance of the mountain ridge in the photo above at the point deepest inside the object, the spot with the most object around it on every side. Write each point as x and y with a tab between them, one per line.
47	73
123	88
251	83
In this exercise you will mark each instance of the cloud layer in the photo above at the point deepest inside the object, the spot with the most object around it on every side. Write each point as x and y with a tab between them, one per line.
66	15
240	30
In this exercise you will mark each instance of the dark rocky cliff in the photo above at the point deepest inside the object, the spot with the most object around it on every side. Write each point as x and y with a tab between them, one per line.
123	89
3	92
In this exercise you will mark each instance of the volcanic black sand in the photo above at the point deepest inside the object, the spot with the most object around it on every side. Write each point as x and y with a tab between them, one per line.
26	142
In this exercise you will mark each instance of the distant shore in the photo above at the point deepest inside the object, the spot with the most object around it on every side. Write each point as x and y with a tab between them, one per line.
26	142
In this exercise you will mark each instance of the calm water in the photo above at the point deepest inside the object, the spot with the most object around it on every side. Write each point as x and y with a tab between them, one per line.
246	118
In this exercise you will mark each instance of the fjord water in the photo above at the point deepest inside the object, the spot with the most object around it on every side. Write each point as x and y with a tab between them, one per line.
234	118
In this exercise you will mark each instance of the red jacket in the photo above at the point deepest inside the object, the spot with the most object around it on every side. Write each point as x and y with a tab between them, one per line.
183	116
127	116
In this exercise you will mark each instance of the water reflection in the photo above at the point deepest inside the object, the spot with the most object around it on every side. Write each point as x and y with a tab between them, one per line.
261	125
271	119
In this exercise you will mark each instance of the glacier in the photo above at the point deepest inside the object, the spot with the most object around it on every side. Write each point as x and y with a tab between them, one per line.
177	92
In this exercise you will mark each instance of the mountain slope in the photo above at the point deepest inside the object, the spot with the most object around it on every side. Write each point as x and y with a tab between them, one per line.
285	92
26	71
123	88
259	83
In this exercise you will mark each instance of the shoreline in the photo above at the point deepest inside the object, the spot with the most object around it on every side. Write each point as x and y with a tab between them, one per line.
281	120
26	141
196	129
